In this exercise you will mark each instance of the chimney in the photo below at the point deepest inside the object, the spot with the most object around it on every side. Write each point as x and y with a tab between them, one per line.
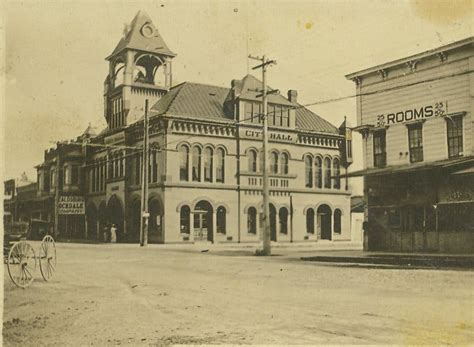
292	95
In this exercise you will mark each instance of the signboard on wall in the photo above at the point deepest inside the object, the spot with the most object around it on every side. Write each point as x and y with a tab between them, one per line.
71	205
273	136
427	111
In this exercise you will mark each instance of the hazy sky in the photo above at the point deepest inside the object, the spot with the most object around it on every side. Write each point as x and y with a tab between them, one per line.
55	67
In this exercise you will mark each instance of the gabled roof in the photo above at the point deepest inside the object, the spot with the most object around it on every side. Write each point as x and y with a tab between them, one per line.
135	39
196	100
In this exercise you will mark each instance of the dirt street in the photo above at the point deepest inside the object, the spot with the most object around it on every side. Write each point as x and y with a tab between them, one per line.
123	295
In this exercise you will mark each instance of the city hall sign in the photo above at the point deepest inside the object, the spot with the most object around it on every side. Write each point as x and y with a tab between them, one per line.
437	109
272	135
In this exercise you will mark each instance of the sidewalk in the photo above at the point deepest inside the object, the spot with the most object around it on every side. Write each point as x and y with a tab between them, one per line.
425	260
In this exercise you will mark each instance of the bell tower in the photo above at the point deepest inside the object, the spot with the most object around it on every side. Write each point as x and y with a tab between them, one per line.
139	69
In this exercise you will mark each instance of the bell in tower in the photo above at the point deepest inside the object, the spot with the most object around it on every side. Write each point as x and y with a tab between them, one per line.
139	69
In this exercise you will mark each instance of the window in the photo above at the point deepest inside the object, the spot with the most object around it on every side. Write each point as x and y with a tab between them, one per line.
221	212
252	160
285	117
336	167
75	174
138	168
455	145
415	141
283	216
318	164
40	181
196	164
271	115
380	150
184	217
220	170
67	174
337	221
277	115
52	178
310	221
327	173
183	163
274	162
308	171
154	166
252	220
208	167
284	163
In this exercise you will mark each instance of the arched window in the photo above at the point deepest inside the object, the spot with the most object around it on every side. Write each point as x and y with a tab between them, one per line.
184	217
196	164
310	221
337	221
184	163
220	169
308	171
318	172
327	173
208	165
283	216
336	167
274	162
252	154
252	220
284	163
221	213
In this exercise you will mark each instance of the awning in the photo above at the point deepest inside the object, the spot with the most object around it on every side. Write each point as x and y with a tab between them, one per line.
388	170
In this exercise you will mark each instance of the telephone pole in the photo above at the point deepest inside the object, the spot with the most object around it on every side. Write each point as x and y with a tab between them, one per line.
266	193
144	208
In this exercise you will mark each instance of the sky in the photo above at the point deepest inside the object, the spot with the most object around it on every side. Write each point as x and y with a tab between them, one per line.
54	55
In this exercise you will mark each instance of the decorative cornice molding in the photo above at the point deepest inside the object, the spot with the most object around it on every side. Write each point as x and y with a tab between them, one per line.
383	73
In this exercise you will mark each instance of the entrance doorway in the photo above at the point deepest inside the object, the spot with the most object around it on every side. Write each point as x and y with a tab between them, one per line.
115	215
324	222
203	221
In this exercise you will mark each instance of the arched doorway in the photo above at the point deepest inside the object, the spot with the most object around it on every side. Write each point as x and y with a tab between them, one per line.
203	221
324	222
273	224
155	223
134	225
115	215
91	218
102	220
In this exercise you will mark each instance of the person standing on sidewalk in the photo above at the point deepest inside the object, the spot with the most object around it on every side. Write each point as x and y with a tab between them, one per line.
113	234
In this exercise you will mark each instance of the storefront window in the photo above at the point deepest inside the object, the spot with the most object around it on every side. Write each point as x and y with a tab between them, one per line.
380	154
283	216
454	128
252	220
185	215
337	221
221	223
310	221
415	140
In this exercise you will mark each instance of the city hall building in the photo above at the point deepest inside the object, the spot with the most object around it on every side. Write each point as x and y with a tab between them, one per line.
416	118
205	172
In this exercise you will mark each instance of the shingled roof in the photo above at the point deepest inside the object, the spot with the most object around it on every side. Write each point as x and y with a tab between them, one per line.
135	39
196	100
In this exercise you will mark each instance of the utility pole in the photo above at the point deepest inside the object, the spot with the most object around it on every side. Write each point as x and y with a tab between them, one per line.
145	214
266	193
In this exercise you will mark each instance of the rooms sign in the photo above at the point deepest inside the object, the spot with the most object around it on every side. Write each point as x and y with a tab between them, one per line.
437	109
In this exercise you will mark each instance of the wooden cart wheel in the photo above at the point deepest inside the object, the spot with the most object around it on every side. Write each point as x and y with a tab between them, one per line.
21	264
47	257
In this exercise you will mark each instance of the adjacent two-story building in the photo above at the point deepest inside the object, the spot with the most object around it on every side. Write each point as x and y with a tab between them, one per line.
205	172
416	118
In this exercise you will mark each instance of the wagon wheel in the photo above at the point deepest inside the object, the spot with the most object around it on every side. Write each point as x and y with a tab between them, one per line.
21	264
47	257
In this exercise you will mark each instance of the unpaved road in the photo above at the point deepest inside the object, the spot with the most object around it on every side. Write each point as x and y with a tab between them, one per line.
123	295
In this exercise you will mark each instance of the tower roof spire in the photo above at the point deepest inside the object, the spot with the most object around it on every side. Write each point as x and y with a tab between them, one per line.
142	35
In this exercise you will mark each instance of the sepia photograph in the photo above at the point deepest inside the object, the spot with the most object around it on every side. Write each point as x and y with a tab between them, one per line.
210	172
